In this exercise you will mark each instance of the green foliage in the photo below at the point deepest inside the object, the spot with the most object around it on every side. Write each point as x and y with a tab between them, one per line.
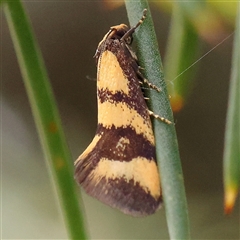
46	116
232	131
166	140
181	52
183	38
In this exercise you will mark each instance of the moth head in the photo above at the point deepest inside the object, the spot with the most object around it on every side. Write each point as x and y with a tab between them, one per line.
117	32
121	33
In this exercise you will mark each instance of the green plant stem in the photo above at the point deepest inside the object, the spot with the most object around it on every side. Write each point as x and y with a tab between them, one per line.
166	140
180	54
46	116
231	159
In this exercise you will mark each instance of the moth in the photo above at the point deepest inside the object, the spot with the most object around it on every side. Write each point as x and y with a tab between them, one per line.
119	166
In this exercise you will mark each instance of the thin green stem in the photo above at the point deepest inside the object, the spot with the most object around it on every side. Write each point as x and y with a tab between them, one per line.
181	51
46	116
231	158
166	140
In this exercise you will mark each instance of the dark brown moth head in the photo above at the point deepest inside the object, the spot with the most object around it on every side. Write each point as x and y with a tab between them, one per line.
118	33
121	33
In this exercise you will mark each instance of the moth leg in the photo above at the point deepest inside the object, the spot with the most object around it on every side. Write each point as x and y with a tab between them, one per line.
159	117
151	85
144	80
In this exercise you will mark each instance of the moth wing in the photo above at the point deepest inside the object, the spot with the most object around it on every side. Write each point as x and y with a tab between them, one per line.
130	184
119	166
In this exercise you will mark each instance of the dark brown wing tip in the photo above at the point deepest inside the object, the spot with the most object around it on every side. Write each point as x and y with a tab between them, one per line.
128	197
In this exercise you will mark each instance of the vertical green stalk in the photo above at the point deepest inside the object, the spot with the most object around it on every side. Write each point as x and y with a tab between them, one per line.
166	140
46	116
231	159
181	51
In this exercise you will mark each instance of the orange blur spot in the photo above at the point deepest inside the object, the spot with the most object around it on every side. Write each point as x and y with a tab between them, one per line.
177	103
52	127
229	199
112	4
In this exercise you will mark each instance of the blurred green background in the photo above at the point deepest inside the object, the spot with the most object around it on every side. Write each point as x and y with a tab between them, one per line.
68	34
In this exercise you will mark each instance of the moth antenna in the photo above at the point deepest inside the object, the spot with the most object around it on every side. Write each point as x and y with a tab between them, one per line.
132	30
